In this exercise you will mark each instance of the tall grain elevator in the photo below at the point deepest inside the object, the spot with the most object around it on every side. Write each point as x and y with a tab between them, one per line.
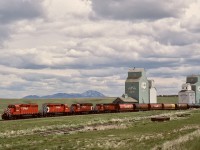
137	85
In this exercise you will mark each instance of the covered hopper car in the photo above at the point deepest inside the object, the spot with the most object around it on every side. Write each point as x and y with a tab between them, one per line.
142	107
111	107
169	106
182	106
125	107
156	106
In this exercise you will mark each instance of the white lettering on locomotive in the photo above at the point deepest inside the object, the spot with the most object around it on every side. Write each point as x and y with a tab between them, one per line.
24	108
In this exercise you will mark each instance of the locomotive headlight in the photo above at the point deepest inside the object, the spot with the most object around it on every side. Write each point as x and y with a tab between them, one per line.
47	109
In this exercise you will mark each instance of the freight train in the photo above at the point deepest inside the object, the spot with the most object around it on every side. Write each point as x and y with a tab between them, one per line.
22	111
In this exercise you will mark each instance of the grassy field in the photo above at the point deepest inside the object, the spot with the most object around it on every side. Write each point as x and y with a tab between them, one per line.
167	99
117	131
104	131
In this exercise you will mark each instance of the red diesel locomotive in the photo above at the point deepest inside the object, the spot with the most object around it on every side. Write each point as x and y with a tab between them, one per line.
53	109
19	111
82	108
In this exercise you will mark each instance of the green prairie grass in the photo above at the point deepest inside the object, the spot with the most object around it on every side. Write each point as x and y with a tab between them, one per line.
102	131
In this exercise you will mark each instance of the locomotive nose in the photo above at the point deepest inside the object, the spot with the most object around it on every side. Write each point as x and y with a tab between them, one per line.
7	111
6	114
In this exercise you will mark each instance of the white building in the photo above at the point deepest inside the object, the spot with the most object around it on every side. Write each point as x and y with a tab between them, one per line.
186	95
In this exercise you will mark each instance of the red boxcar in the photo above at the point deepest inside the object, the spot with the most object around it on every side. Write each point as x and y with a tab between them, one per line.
156	106
82	108
125	107
52	109
16	111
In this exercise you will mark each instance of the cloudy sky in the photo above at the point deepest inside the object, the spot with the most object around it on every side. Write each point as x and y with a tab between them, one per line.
50	46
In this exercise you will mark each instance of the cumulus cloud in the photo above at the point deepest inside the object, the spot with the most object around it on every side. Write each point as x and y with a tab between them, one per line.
133	9
4	34
82	45
12	11
191	19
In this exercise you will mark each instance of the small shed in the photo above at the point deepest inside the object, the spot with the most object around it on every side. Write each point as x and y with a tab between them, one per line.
124	99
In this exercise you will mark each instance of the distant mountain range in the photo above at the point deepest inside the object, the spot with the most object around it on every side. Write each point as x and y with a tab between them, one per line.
87	94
